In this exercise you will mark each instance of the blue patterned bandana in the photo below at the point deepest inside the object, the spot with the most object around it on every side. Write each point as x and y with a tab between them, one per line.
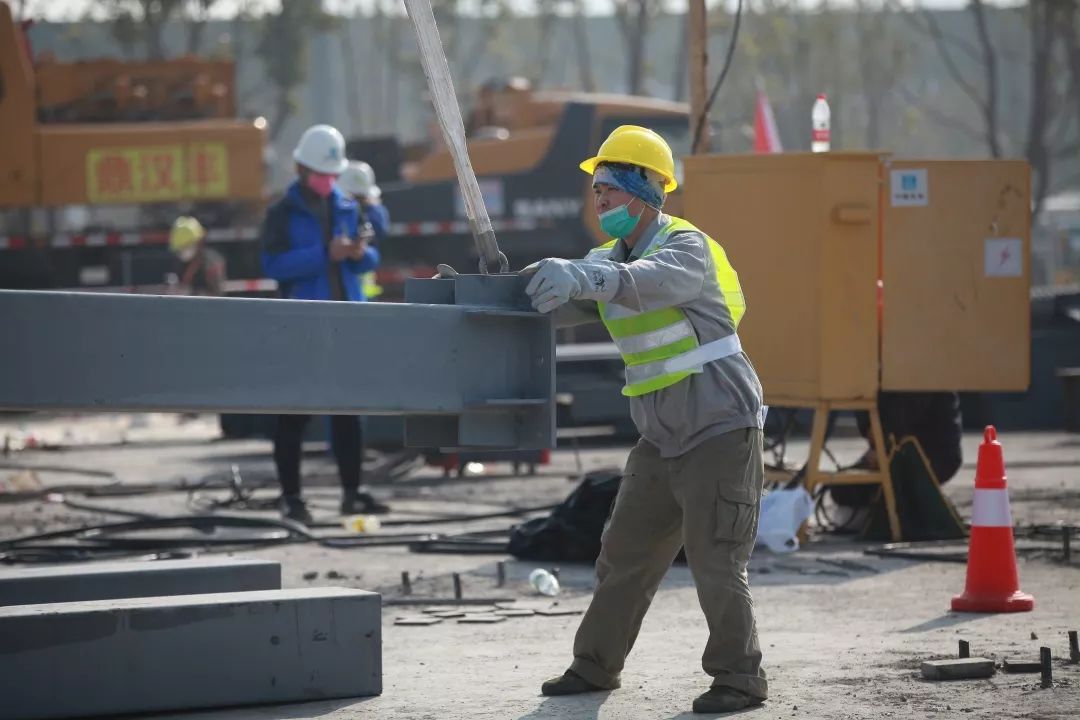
632	179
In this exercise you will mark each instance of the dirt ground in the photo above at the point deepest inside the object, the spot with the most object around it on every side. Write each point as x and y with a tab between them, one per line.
840	641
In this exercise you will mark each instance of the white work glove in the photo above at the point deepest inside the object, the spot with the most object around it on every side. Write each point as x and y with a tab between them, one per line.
559	281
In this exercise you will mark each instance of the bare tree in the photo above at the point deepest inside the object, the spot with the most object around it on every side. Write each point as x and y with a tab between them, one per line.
581	45
1051	35
546	18
282	48
882	53
197	16
635	20
142	20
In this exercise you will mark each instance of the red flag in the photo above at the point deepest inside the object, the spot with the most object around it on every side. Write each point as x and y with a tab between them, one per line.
766	136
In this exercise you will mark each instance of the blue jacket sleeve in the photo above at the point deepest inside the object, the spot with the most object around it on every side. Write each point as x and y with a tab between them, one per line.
367	263
379	217
280	260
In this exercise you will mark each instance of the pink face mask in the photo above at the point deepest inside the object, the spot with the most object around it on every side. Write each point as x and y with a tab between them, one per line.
321	185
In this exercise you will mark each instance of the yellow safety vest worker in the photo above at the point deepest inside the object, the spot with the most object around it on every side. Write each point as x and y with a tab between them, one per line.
660	347
370	285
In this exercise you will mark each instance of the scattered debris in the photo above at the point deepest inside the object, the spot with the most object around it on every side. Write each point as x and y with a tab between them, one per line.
418	620
515	612
500	573
406	583
457	586
447	601
334	575
557	611
1074	647
482	619
1034	636
1047	668
311	575
965	649
1020	667
959	669
849	565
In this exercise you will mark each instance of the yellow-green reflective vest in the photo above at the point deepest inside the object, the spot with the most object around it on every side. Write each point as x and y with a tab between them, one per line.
660	347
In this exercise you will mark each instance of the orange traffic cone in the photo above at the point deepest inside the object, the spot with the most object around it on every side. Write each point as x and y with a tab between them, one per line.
993	584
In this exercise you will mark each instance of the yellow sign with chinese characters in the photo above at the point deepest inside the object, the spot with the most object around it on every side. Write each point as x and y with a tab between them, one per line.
159	173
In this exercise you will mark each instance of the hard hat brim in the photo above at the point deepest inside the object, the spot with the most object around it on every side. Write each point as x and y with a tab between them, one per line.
327	169
589	166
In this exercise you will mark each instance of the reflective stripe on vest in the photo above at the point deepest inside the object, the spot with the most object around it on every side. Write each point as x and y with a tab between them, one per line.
660	348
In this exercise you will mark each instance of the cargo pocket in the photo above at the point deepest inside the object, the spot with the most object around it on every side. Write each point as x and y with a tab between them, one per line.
736	515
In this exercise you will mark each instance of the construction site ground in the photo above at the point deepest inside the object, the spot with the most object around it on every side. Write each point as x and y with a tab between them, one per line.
840	640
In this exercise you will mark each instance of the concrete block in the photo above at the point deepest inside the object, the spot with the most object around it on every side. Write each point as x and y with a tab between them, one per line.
112	580
109	657
959	669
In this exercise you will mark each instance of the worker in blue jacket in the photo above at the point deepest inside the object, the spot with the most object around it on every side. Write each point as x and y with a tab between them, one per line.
316	248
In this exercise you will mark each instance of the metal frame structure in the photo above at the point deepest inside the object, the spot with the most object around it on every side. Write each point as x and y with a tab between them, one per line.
466	360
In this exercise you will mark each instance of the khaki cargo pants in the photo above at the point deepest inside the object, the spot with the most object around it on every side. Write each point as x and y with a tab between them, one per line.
707	501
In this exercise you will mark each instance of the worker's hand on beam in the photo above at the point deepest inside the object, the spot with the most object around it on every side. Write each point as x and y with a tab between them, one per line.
556	282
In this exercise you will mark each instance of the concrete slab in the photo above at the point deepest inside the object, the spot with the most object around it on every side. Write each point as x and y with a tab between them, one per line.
108	657
112	580
958	669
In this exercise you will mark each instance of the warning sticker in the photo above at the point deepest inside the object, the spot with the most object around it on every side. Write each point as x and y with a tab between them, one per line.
909	188
1004	257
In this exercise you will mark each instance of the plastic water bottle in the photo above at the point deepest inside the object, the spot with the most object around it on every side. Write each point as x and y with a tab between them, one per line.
544	582
361	524
819	120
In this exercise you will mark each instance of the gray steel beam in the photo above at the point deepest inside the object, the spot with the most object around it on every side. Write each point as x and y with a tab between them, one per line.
108	657
111	580
474	361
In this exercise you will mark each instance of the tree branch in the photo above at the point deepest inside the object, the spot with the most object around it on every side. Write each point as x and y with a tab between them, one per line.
990	64
941	118
950	65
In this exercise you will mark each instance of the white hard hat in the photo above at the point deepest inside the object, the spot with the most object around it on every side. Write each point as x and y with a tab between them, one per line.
359	181
322	149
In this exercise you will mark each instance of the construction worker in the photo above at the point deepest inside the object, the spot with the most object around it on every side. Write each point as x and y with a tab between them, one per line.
671	301
358	181
201	269
315	247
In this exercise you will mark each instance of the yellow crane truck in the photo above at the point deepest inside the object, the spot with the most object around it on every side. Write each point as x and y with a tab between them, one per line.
98	157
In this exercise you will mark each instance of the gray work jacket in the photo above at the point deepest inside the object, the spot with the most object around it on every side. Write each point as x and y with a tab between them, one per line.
727	394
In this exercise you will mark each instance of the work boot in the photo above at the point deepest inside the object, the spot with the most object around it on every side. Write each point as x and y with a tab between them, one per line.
724	700
353	503
294	508
569	683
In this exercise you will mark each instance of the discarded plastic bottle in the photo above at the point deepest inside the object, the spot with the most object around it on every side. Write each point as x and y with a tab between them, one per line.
820	139
362	523
544	582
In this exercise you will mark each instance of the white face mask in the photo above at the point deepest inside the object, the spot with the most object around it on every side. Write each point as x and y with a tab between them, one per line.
188	253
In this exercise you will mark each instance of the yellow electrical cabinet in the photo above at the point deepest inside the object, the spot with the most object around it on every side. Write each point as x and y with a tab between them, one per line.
812	235
801	231
956	272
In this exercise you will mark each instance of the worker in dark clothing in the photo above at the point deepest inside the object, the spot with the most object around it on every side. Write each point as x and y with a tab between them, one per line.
932	418
316	248
200	270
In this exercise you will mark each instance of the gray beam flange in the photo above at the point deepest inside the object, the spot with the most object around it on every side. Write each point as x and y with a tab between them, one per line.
483	363
111	580
523	421
109	657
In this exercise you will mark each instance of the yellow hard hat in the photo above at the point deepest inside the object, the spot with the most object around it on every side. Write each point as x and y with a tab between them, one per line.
186	231
639	146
